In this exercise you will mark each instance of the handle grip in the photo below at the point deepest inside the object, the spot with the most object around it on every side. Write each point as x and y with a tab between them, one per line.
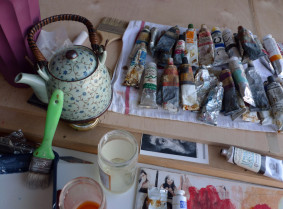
69	17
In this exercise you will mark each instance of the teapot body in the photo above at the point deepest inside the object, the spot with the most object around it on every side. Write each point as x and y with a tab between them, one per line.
84	99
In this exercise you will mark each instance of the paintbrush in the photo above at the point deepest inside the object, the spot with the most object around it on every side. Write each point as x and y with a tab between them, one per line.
41	162
111	29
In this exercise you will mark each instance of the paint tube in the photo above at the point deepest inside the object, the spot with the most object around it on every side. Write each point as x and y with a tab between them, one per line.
230	44
191	46
179	51
204	82
242	105
205	47
264	58
148	96
210	111
153	38
230	101
257	89
250	47
220	55
265	117
274	54
136	68
188	87
164	47
275	95
255	162
170	87
157	198
241	81
143	37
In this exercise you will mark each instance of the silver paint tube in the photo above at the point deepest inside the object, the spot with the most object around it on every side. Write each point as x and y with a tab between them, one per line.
153	38
255	162
240	80
275	95
257	89
274	54
230	44
213	105
148	96
204	82
220	55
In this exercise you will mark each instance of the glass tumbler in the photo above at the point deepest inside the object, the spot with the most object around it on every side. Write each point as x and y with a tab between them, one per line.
117	160
82	193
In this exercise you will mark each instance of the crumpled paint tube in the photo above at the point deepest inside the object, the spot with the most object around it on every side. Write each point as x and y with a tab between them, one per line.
179	51
205	47
191	46
204	82
240	80
136	68
230	101
264	59
220	55
188	87
242	105
274	54
210	111
164	47
251	48
153	38
230	44
275	95
148	96
170	87
257	89
143	37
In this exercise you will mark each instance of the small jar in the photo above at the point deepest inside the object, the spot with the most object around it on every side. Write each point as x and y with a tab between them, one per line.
179	201
80	193
117	160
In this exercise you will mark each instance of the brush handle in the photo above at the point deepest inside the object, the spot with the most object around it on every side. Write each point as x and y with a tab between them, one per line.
52	119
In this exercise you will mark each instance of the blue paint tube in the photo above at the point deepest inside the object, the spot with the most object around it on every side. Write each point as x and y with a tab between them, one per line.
220	55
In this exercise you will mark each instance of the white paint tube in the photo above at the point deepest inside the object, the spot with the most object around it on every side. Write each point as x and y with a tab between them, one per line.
220	55
274	54
255	162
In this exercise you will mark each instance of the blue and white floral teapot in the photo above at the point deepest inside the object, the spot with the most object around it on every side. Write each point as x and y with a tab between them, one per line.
78	71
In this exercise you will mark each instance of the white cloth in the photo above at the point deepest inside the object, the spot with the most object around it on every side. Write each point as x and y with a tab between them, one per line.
119	103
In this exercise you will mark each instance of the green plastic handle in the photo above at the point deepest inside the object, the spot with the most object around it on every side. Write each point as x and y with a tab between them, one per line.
54	111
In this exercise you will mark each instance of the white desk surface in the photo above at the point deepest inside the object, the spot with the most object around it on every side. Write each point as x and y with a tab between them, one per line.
15	195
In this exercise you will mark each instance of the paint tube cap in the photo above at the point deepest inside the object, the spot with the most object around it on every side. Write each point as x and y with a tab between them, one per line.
170	61
190	25
233	59
180	192
203	26
270	79
215	29
151	64
267	37
224	152
185	60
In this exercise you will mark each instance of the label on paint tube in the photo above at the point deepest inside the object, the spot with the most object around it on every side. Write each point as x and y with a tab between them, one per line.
272	49
273	168
246	159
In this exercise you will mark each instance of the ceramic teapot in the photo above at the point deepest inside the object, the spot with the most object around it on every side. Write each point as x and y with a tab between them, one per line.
78	71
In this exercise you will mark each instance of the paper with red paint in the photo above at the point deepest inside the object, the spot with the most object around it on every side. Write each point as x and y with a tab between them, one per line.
206	192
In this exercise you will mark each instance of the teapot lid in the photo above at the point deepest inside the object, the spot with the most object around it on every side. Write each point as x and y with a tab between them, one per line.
73	63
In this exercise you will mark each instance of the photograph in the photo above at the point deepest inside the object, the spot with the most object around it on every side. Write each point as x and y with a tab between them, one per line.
173	149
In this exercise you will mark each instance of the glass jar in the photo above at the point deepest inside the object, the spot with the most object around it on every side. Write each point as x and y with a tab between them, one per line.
82	192
117	160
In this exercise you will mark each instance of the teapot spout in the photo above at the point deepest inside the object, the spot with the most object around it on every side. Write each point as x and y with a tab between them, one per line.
36	83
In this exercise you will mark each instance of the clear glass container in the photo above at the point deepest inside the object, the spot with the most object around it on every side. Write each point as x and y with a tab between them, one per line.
80	193
117	160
